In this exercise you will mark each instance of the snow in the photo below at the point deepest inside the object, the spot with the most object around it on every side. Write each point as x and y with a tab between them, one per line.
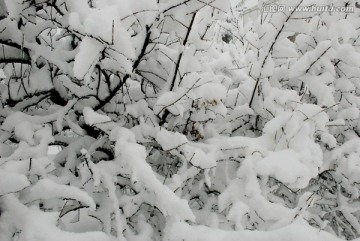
11	182
344	84
172	101
348	54
92	118
16	118
39	166
297	231
237	212
85	60
342	28
13	7
46	189
285	166
26	130
211	92
134	155
170	140
198	156
200	138
306	62
74	127
319	87
350	113
5	150
40	226
248	3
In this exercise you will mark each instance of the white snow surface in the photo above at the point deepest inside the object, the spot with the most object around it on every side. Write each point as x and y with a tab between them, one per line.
92	118
181	156
285	166
46	189
84	61
170	140
133	155
12	182
297	231
41	226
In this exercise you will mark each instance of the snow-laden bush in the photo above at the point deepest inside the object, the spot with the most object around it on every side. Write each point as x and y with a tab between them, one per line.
168	133
303	77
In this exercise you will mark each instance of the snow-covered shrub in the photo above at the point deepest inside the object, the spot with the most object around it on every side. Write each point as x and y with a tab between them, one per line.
168	133
115	84
303	78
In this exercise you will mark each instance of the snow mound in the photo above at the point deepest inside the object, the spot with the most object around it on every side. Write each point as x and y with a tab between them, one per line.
285	166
